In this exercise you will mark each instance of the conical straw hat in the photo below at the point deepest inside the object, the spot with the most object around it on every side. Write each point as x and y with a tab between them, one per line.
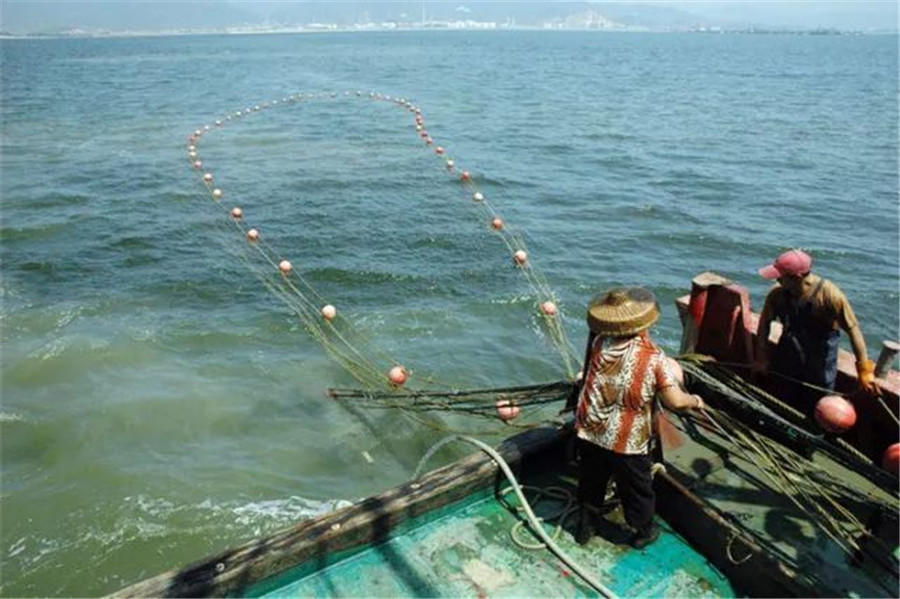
622	312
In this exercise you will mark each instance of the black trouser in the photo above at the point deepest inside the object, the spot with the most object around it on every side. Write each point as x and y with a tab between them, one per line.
633	480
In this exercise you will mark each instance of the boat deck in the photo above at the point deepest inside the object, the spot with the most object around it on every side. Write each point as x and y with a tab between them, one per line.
466	550
734	484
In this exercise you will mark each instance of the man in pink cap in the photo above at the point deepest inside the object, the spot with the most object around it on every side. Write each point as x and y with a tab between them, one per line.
812	310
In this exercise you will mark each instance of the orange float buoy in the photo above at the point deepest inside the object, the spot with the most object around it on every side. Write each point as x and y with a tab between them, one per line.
253	235
397	375
506	410
890	460
520	257
285	267
835	414
478	196
465	176
549	308
439	150
218	193
329	312
208	177
497	223
237	213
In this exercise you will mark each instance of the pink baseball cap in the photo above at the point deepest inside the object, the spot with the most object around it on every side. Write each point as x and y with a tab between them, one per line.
792	263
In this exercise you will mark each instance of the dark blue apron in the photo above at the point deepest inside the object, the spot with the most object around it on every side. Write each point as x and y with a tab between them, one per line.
808	347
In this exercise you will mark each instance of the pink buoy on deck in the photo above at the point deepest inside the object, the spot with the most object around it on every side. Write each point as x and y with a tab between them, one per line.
835	414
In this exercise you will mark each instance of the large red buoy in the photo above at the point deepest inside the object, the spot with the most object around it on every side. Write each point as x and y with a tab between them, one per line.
835	414
397	375
890	461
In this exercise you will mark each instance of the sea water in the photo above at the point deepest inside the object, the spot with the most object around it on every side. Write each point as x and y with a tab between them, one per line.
160	404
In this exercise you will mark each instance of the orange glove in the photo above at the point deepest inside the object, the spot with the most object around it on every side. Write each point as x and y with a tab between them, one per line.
866	372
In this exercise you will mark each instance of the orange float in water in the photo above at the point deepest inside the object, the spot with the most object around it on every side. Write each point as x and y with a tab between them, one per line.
439	150
329	312
835	414
497	223
285	267
506	410
397	375
520	257
237	213
253	235
549	308
890	461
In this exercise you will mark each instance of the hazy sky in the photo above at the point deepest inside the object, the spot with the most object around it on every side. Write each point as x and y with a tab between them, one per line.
33	15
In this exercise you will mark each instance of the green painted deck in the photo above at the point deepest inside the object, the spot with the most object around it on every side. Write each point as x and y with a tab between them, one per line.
465	550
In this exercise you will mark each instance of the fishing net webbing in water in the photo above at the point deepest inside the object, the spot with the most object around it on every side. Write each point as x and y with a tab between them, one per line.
382	375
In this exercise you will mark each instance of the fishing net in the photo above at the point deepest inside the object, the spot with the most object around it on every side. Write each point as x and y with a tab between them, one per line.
382	375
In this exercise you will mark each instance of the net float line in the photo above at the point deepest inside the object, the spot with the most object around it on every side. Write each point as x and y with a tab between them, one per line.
320	316
547	303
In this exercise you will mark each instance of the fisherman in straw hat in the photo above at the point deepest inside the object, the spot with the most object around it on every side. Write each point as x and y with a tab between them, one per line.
624	373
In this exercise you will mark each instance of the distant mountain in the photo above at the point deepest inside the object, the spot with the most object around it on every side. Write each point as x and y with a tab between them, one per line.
54	16
93	16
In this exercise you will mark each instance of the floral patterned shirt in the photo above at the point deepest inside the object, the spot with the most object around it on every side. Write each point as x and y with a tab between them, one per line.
616	401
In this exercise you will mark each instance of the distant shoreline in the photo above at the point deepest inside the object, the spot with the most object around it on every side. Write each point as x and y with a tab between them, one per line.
377	29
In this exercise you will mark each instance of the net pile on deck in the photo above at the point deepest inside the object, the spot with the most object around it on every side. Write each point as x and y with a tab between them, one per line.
773	437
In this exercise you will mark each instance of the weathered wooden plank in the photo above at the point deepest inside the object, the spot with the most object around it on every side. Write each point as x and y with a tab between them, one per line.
359	525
